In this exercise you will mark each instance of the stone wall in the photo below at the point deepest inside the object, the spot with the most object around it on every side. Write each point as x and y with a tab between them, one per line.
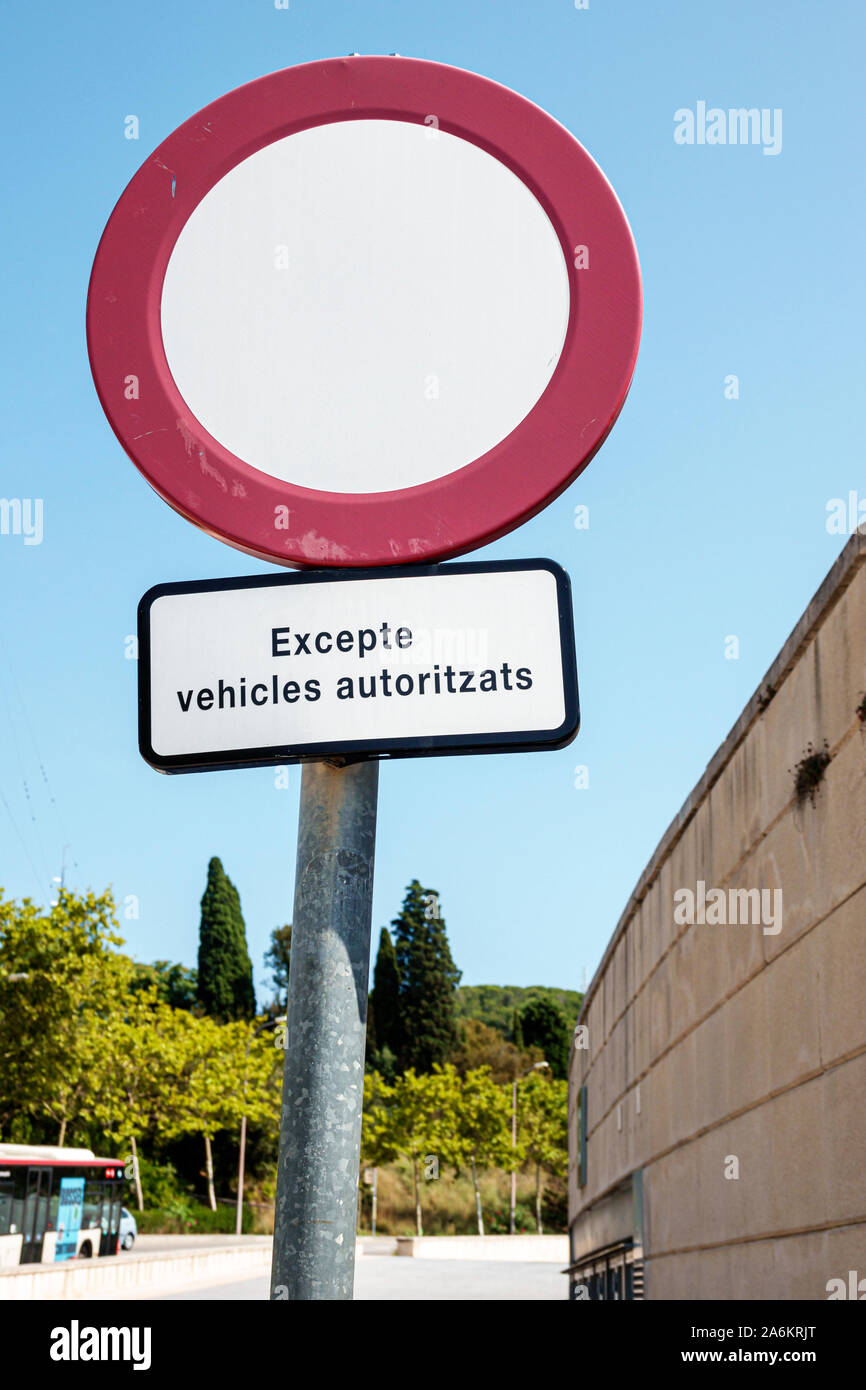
709	1043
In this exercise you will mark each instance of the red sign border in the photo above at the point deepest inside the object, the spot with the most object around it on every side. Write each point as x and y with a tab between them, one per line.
296	526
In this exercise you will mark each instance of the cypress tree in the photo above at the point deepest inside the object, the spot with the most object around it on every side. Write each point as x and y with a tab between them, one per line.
427	1020
225	972
383	1020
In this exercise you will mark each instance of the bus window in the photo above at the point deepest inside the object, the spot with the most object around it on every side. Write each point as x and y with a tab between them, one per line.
53	1202
93	1196
35	1214
5	1208
110	1220
114	1225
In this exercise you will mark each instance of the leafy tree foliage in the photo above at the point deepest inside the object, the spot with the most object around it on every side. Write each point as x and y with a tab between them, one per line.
175	984
136	1091
499	1005
482	1129
278	959
60	978
93	1051
422	1117
438	1119
96	1049
379	1143
542	1128
212	1068
545	1026
480	1046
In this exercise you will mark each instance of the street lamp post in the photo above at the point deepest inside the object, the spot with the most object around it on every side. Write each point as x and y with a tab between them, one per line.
239	1210
538	1066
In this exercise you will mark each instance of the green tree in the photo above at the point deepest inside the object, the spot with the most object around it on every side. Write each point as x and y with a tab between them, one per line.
383	1019
175	984
217	1084
61	980
542	1128
481	1046
545	1025
90	1042
278	958
422	1125
482	1126
225	973
170	1073
427	1032
379	1139
138	1091
495	1005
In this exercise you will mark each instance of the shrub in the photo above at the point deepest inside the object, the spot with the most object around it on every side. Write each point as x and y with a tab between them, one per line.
182	1217
160	1184
499	1221
810	770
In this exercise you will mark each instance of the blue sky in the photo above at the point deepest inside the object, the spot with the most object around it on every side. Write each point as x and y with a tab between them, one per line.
707	515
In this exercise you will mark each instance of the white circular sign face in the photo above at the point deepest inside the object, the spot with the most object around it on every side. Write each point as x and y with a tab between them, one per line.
344	316
365	306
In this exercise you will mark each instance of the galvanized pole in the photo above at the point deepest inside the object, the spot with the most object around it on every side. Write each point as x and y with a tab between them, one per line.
320	1127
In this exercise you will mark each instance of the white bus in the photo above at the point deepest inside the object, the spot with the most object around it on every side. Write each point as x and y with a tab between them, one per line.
58	1204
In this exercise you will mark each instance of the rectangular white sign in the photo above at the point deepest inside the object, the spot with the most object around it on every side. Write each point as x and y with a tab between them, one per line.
396	662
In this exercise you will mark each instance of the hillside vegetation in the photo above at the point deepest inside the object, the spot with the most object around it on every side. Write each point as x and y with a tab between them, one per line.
494	1005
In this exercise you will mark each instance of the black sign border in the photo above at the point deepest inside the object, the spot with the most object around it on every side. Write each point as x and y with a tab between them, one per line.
361	750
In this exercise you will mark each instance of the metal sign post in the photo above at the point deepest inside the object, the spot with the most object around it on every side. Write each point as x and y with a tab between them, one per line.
323	1084
374	400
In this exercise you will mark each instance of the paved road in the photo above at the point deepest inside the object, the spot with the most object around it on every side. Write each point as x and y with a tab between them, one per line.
418	1280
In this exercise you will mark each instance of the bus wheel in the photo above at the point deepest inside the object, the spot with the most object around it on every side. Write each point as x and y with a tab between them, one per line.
86	1251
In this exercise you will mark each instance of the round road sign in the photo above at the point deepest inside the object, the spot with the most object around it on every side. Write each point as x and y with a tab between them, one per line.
365	311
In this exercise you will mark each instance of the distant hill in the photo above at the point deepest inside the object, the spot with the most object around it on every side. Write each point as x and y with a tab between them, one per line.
495	1004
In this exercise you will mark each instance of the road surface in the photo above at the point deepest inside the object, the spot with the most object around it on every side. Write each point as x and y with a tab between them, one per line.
398	1279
